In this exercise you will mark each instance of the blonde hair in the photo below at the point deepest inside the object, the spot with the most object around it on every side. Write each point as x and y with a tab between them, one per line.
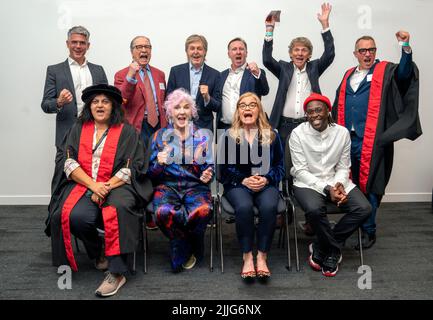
266	134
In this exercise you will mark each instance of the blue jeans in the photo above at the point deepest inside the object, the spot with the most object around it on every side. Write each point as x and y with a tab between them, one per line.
355	154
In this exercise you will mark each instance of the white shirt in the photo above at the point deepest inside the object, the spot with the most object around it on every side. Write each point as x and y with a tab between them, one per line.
82	79
357	77
231	92
320	158
299	90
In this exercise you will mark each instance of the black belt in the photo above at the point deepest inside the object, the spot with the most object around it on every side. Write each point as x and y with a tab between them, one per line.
291	120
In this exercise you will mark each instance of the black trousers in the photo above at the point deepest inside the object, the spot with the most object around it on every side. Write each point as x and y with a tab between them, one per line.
357	209
85	218
286	126
147	131
242	201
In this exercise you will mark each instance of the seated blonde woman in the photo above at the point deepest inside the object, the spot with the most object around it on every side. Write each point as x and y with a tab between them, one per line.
249	182
181	168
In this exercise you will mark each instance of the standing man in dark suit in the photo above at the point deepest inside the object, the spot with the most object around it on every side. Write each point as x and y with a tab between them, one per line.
200	80
299	77
65	82
143	90
241	77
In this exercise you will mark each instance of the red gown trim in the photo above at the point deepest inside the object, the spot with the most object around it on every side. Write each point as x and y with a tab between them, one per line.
374	103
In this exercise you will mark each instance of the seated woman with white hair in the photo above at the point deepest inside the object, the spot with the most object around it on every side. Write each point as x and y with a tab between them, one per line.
181	169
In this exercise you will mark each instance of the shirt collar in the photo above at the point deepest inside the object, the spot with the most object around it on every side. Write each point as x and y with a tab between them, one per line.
75	63
304	69
240	69
191	68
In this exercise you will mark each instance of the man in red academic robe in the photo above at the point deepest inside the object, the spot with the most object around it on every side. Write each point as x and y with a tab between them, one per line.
378	103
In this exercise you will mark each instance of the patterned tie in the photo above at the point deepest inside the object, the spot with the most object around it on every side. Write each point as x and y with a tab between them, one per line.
152	117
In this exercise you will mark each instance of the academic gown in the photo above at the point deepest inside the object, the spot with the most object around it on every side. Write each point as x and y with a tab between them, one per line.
392	115
123	205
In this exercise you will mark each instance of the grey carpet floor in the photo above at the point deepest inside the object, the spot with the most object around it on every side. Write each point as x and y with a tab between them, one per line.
401	264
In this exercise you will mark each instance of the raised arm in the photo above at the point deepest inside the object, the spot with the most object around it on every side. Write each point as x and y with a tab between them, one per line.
329	53
268	61
405	67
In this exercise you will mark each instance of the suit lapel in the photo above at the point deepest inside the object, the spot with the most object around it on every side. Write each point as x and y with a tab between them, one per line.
224	76
68	77
93	73
244	82
203	80
187	84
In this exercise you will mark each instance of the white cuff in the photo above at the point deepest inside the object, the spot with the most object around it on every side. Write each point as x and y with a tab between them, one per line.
70	166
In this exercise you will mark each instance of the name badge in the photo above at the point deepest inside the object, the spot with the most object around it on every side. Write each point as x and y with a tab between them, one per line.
369	77
161	86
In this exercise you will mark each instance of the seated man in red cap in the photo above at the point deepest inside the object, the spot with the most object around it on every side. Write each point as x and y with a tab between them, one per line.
320	151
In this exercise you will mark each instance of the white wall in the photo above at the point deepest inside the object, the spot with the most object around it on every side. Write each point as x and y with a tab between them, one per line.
34	34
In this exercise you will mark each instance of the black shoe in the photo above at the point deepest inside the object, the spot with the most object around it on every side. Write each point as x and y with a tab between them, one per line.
330	264
306	228
367	240
316	257
230	220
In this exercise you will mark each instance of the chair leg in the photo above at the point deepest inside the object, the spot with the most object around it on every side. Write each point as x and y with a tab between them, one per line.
361	254
211	240
145	244
281	237
76	244
286	227
134	255
295	235
220	235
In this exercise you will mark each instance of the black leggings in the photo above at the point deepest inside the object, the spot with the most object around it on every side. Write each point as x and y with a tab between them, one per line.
85	217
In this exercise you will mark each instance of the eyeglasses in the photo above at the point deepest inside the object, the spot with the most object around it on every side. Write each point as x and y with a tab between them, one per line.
363	51
316	110
250	106
141	47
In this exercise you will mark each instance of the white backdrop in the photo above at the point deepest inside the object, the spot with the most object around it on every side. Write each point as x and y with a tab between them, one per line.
34	34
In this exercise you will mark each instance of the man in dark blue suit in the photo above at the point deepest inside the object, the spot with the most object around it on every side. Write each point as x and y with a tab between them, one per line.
241	77
299	77
199	80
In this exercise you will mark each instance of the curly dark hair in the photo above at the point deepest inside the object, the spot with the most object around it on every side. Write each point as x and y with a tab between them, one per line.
117	114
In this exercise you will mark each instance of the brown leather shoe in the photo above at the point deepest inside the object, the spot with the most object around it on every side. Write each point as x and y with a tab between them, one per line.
101	263
111	284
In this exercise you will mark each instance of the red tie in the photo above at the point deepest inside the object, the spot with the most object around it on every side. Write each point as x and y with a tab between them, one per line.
152	117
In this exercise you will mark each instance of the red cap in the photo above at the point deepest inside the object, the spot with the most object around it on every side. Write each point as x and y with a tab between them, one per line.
317	97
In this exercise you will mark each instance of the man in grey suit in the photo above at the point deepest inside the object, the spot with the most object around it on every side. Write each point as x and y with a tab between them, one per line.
65	82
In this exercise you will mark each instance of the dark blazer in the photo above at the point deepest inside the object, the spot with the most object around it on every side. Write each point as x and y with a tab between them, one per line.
59	77
179	78
284	71
249	83
233	168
